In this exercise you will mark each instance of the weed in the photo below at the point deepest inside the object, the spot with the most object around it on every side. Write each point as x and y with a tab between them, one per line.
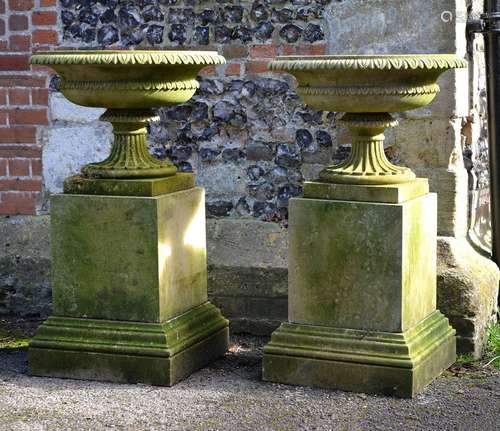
466	359
492	354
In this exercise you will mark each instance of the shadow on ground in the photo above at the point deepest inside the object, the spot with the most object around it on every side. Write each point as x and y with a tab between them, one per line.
229	395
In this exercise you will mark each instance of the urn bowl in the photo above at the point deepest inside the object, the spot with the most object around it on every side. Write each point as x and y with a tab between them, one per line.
368	88
367	83
130	84
128	79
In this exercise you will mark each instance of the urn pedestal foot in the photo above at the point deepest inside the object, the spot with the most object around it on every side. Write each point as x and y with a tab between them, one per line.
362	292
129	286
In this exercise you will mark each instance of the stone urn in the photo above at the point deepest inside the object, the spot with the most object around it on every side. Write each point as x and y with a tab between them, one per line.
129	261
368	89
362	241
129	84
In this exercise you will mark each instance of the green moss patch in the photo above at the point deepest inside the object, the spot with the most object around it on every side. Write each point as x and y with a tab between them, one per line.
12	340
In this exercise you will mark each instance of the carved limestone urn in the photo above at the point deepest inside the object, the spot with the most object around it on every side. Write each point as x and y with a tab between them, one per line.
362	241
129	260
129	84
368	88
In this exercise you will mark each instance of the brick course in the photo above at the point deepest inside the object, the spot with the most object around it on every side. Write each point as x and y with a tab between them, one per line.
44	18
19	96
20	42
24	5
24	25
18	22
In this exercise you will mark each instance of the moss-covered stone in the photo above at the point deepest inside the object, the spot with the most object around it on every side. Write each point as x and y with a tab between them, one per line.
128	258
399	364
359	265
467	292
362	298
387	193
130	291
129	84
148	187
129	352
25	288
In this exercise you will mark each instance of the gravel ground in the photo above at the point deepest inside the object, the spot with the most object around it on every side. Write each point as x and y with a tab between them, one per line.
229	395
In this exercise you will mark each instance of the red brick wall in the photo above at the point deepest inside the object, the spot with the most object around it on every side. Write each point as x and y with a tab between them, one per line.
25	26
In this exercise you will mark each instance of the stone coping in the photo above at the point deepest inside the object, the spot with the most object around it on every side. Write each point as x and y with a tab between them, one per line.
390	193
146	187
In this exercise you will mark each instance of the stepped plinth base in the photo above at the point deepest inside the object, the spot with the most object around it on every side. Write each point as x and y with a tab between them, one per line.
399	364
129	352
129	289
362	291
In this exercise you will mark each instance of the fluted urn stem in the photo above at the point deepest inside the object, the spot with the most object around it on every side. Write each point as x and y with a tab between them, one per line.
367	164
130	157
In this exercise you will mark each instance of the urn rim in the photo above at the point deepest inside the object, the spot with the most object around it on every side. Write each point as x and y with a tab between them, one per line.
369	62
127	57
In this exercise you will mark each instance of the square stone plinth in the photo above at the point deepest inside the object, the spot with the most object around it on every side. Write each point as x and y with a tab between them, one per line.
139	259
362	293
362	265
129	290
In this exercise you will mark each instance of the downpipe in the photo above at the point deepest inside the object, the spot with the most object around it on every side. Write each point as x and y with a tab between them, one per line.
489	25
